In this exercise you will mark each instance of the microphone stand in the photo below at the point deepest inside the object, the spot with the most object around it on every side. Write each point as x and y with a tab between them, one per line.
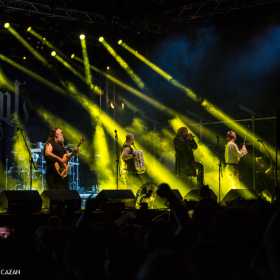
220	173
274	169
117	158
31	161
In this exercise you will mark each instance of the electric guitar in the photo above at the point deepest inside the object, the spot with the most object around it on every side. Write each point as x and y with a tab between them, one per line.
62	168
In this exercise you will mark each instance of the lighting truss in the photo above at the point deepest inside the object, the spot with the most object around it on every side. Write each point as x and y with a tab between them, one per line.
194	10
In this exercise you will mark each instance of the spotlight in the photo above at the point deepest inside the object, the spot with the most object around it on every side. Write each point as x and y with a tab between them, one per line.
72	56
24	57
7	25
44	39
82	37
101	39
204	103
120	42
112	105
29	29
108	68
53	53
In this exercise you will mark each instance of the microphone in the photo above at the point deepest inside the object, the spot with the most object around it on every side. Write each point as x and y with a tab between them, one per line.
190	136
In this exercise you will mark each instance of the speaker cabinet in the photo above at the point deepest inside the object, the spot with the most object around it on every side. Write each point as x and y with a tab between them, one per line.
125	198
199	194
13	201
67	199
238	195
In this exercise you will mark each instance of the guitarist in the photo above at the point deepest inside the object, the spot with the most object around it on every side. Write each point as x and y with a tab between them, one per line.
54	152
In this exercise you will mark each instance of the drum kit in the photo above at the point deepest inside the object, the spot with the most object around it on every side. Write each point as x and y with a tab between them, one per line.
17	175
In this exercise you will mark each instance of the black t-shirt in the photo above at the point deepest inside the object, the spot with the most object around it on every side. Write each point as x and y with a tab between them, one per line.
58	150
184	157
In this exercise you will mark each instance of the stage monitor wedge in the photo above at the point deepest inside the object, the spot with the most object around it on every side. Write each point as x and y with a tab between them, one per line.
18	202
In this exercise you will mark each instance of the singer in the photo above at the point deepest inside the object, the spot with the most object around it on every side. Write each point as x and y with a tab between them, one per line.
185	164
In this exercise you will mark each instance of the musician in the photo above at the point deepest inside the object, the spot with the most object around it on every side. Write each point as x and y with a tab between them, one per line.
233	155
185	164
128	172
54	151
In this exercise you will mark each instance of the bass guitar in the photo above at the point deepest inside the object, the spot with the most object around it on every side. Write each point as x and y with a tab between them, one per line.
62	168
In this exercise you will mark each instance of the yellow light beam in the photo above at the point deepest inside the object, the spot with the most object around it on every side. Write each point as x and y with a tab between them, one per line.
40	37
210	108
58	55
35	53
5	82
33	75
86	60
103	162
21	157
155	169
211	165
161	72
67	65
240	129
138	81
71	133
153	102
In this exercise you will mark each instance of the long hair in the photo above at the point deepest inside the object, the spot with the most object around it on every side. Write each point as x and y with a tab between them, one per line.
52	134
181	132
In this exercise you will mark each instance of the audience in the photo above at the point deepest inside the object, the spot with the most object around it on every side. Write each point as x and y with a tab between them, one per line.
184	240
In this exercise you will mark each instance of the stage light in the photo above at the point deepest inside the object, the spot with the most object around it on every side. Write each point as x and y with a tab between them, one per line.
112	105
24	57
108	68
101	39
138	81
120	42
29	29
27	45
88	78
7	25
72	56
53	53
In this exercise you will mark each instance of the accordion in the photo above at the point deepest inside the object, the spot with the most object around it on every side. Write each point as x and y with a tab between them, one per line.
139	163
